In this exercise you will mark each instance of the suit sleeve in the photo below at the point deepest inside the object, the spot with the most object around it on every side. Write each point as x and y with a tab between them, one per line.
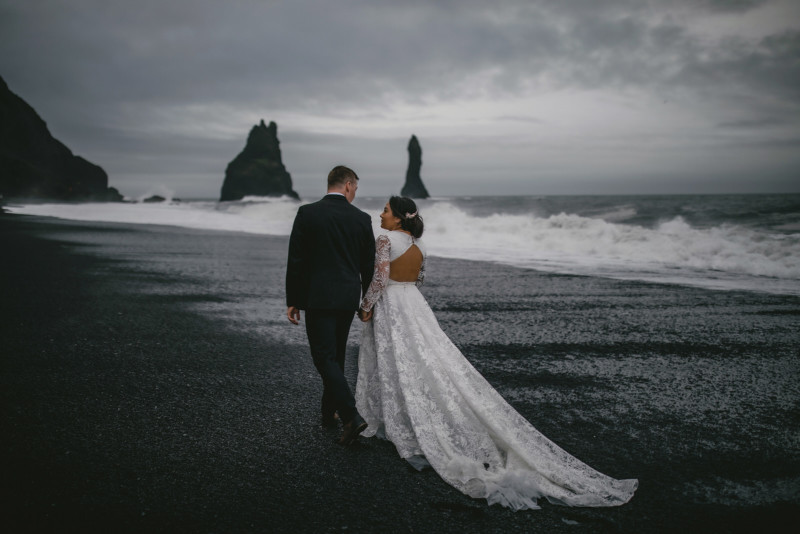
367	256
295	264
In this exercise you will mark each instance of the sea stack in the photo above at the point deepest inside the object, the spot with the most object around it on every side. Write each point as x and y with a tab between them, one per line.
414	187
258	169
33	164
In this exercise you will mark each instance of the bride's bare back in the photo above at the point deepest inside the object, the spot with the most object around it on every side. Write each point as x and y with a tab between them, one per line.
405	268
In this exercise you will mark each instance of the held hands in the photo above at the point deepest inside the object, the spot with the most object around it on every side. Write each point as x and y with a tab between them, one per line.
293	314
365	315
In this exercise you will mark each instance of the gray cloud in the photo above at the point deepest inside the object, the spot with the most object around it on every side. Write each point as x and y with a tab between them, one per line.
102	72
182	50
520	118
762	122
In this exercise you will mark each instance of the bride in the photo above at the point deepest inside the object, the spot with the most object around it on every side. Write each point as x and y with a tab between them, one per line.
416	389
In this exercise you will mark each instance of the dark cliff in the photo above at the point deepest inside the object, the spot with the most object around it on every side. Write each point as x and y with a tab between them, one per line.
33	164
258	169
414	187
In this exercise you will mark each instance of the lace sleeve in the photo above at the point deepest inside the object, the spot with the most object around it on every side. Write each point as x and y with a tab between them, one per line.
376	287
421	275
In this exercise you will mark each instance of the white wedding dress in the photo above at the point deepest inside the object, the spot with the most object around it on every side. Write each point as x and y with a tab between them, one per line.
416	389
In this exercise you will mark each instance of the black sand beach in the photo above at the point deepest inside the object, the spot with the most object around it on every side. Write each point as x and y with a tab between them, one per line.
150	383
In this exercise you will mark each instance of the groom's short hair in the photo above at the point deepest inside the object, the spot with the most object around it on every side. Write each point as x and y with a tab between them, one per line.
340	175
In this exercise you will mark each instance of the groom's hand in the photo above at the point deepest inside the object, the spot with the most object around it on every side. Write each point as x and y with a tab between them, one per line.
365	315
293	314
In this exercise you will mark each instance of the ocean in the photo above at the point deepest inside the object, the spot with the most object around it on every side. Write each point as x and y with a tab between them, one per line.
724	242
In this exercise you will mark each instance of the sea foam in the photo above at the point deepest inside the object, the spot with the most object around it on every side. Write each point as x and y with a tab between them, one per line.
725	256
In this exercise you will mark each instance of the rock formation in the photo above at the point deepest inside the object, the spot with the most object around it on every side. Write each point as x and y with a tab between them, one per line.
33	164
414	187
258	169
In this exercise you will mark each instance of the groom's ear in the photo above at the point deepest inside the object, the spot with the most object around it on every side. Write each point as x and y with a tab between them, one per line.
350	188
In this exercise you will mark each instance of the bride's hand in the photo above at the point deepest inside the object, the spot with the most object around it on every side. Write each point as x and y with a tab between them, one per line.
364	315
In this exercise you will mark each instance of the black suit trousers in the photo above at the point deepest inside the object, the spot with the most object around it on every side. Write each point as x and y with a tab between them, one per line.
327	336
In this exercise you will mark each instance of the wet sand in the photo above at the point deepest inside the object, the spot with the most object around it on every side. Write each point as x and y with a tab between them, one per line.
150	383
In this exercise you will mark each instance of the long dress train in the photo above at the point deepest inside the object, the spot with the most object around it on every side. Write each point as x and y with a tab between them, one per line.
416	389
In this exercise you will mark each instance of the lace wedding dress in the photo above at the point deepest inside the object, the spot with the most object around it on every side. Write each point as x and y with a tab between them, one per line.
416	389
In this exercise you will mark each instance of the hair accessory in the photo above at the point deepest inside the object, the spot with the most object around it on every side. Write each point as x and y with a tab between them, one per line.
411	215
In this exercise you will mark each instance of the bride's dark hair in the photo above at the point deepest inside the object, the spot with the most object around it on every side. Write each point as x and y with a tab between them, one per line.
406	210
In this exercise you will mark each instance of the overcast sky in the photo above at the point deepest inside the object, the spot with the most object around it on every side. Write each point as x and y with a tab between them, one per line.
506	97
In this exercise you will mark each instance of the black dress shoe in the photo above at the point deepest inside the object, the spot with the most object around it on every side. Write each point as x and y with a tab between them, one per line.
352	429
330	421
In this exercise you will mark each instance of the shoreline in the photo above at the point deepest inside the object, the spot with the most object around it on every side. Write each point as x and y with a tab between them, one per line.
149	386
690	244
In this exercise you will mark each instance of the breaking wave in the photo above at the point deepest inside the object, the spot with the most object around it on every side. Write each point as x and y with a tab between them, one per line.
723	256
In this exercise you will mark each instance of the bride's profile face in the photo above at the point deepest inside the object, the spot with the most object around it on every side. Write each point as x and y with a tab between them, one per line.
388	220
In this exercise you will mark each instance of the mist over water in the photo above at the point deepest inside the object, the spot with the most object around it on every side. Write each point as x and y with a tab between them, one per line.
749	242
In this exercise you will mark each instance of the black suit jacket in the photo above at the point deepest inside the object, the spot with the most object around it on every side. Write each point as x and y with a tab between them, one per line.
331	256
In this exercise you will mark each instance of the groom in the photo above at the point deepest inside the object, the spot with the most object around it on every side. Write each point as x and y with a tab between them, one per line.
331	259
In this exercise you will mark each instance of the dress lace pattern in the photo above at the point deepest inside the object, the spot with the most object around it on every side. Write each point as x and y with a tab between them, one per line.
384	255
416	389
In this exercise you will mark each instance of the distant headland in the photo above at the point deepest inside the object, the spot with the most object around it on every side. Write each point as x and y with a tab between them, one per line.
33	164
